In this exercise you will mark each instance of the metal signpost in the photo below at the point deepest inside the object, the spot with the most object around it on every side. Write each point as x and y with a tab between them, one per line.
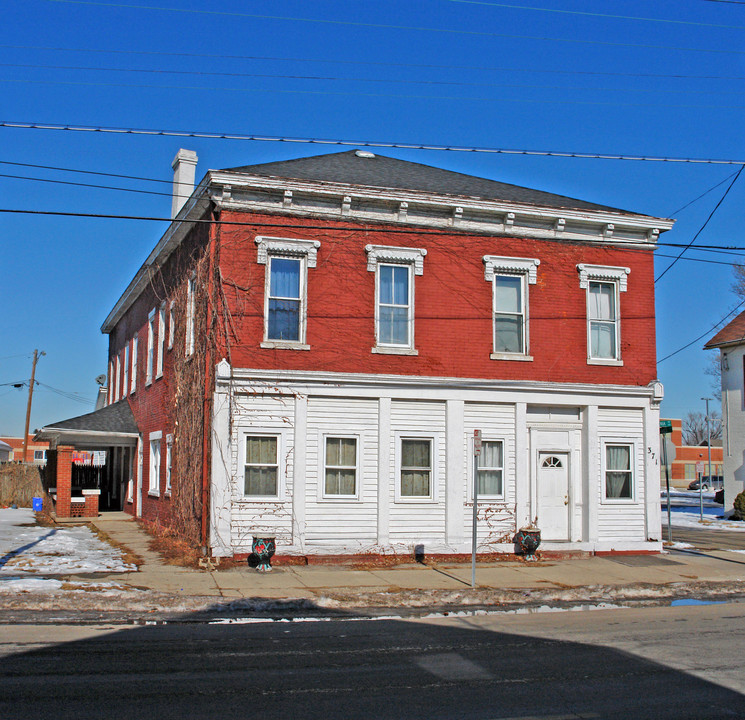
474	532
666	428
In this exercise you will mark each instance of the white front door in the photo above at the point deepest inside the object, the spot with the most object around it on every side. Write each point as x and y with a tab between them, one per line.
553	495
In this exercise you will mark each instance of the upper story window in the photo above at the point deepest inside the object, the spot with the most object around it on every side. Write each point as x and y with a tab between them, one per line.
151	335
135	345
117	378
285	295
395	269
125	389
161	340
190	309
510	278
171	324
603	285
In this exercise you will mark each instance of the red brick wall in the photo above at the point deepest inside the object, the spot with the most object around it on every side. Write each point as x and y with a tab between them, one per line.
453	302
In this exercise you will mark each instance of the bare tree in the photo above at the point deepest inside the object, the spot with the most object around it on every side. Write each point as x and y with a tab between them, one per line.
714	371
738	286
694	428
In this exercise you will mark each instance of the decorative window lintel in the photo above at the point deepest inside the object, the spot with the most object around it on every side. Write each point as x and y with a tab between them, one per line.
511	265
400	255
288	247
602	273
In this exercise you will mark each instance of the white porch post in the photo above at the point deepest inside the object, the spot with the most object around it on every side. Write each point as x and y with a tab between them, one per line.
220	480
522	466
299	464
384	469
455	481
591	479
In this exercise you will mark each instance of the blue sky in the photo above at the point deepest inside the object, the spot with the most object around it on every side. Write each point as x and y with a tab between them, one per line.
663	79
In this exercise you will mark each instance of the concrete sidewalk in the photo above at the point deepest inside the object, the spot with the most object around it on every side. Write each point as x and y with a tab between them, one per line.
591	579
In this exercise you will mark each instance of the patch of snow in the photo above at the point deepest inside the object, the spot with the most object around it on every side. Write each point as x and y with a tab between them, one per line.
679	546
711	521
30	549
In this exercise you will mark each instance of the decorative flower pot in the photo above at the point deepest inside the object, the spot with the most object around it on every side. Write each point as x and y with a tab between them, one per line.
262	550
527	540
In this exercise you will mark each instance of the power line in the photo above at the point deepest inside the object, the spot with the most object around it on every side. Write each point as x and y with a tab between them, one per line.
385	26
86	172
703	335
361	143
703	194
508	6
335	78
711	215
347	93
373	63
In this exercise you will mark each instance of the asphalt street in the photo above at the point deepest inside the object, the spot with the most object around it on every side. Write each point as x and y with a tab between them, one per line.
674	662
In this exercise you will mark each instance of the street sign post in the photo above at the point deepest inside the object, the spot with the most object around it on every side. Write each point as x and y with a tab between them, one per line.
474	530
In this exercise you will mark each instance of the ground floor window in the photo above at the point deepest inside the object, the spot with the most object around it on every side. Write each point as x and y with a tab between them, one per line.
341	467
618	473
261	466
154	478
490	468
416	467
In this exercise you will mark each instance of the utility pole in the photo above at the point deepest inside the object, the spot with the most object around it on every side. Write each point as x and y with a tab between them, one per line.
37	355
708	443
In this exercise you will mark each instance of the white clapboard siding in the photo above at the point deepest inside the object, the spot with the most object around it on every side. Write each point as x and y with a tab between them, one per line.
622	520
496	520
418	521
339	522
256	414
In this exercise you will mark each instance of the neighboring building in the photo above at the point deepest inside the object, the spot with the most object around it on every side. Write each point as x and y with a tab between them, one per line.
691	461
5	452
36	450
730	341
310	347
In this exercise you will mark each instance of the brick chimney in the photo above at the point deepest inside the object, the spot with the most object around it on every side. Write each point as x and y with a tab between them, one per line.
184	170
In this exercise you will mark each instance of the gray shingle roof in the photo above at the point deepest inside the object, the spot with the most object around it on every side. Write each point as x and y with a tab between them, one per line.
116	418
385	172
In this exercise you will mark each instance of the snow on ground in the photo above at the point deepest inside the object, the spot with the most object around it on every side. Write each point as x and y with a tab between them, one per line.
30	549
690	517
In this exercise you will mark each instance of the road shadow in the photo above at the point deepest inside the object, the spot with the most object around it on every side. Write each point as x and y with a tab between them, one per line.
15	552
342	669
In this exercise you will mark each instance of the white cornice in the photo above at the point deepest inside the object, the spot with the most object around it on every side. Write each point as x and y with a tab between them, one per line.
602	272
286	246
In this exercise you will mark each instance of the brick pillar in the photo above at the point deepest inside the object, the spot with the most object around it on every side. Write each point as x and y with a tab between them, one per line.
91	503
64	480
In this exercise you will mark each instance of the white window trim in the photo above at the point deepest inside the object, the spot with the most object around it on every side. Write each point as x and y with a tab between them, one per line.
135	345
283	445
169	462
153	489
634	445
607	274
190	313
171	323
387	255
505	460
161	341
296	249
117	377
525	268
435	438
150	358
125	369
322	495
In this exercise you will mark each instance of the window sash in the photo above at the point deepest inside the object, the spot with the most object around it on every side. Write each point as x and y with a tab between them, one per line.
619	476
161	340
491	468
602	313
154	479
190	312
150	347
341	466
261	468
416	467
285	291
509	314
394	305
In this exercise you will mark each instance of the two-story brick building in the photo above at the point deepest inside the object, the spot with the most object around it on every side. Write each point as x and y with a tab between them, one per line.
310	347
